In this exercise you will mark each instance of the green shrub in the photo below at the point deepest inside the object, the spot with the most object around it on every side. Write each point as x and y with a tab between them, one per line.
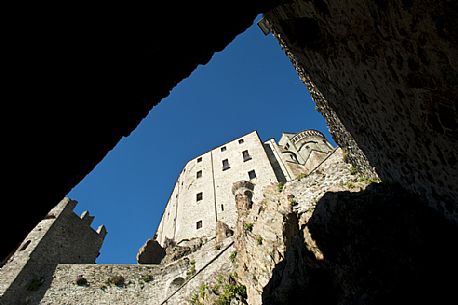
117	280
369	180
280	186
259	240
231	291
248	227
195	299
291	200
147	278
353	170
224	290
233	256
349	185
192	269
301	176
202	290
345	156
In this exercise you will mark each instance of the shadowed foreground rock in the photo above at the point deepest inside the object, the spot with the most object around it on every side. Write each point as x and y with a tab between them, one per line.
379	246
336	237
384	75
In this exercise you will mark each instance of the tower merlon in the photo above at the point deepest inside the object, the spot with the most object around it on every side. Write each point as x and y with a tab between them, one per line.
102	231
65	206
87	218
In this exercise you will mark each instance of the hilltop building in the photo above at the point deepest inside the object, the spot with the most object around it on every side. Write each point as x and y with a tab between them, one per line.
202	194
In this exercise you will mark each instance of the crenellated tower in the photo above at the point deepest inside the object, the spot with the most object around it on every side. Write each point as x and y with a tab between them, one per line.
62	237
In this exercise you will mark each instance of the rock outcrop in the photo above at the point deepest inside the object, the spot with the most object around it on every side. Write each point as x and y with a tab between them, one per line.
337	237
384	76
150	253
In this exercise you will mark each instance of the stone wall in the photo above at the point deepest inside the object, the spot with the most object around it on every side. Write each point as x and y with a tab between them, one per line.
205	174
383	74
172	283
183	211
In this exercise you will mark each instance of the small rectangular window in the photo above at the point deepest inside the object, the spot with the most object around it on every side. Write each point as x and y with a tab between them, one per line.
252	174
240	141
199	174
199	224
246	155
199	159
225	164
199	196
223	148
222	207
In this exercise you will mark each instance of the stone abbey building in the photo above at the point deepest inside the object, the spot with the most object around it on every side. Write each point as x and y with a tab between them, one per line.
202	194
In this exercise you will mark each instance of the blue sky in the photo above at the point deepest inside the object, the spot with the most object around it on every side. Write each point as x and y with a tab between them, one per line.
251	85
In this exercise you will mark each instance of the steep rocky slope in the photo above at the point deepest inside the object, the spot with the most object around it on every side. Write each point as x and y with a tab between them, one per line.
336	237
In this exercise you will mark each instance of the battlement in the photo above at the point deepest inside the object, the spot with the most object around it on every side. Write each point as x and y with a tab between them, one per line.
87	219
66	207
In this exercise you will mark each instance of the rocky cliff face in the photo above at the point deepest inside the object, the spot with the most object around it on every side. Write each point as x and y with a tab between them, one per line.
336	237
383	74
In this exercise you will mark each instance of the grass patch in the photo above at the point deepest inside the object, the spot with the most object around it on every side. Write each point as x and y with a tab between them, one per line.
147	278
223	291
117	280
233	256
345	156
248	227
353	170
292	201
192	269
300	176
369	180
230	292
349	185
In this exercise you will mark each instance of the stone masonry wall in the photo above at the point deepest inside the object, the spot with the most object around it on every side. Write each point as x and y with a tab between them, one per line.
183	211
172	283
383	73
